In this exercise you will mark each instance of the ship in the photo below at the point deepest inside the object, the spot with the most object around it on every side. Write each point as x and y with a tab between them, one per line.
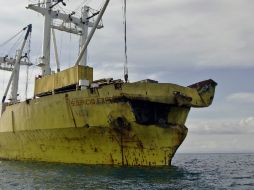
75	119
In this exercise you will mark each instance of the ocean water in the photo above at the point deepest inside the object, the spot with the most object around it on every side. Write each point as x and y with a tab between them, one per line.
189	171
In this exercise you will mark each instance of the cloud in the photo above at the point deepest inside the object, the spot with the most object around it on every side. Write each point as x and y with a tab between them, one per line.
219	136
222	127
195	143
192	34
241	97
168	35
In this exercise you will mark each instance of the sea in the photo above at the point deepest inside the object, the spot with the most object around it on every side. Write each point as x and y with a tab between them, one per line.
188	171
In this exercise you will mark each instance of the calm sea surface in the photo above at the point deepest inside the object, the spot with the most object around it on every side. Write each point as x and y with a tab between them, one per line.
189	171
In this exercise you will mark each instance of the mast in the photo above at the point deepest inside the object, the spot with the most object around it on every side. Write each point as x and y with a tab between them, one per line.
83	37
96	24
7	63
80	27
45	59
14	79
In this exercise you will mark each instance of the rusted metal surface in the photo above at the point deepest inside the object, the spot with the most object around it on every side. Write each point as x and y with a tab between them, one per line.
134	124
182	99
119	145
203	84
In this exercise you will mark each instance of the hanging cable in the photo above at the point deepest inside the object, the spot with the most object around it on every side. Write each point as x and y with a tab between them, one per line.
125	43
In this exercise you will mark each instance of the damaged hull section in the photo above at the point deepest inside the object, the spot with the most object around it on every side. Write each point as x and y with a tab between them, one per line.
132	124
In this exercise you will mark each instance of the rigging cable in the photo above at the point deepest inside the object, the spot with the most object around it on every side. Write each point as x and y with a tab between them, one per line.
18	41
7	41
125	43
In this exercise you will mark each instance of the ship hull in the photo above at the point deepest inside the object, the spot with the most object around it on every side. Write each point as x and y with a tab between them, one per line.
135	146
131	124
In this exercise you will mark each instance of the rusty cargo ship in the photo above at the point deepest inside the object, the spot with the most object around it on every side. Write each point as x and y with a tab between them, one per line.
73	118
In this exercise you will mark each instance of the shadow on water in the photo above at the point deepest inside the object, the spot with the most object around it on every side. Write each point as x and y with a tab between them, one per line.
27	175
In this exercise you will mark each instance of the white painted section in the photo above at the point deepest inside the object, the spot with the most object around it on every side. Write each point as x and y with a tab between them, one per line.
84	48
56	52
85	11
81	28
46	70
84	84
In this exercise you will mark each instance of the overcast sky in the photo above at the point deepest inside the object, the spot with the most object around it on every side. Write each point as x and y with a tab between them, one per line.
176	41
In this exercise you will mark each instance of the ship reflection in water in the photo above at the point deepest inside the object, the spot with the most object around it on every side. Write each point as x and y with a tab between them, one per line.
190	171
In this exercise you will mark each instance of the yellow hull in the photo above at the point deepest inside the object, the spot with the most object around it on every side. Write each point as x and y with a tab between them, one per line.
97	145
134	125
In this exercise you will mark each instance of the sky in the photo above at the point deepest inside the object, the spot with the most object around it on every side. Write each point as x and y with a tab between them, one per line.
176	41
